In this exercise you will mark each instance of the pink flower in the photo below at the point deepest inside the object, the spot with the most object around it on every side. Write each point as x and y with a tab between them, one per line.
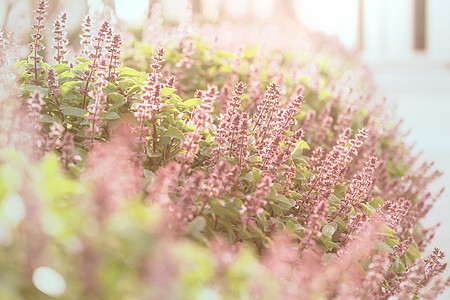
36	45
255	203
85	37
112	55
97	109
150	105
60	39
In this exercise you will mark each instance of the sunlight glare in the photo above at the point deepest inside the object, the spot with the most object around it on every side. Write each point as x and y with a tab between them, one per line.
13	209
48	281
332	17
263	8
211	10
132	12
237	8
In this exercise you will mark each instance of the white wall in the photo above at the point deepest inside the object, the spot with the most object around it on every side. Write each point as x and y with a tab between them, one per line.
388	28
388	35
439	30
337	18
389	32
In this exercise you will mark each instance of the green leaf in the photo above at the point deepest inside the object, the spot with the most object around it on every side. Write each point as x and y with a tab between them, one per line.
339	190
54	184
324	238
247	177
67	87
327	257
169	108
129	72
74	112
330	244
20	63
78	72
298	150
175	133
80	67
284	202
196	226
340	223
166	92
153	155
386	230
334	201
126	83
175	100
398	266
329	230
111	116
255	159
368	209
61	68
256	175
82	59
376	201
255	232
32	88
206	151
391	242
118	104
276	209
46	119
227	212
380	245
168	117
191	103
414	252
116	97
149	177
135	88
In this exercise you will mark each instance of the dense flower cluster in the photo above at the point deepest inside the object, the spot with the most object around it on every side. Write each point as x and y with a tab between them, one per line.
255	203
160	175
96	110
60	39
151	103
95	55
37	45
230	125
8	56
358	191
85	37
113	51
52	84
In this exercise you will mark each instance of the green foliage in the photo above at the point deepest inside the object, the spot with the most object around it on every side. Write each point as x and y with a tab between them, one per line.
136	247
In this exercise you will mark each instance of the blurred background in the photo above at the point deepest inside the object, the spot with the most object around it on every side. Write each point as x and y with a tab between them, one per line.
405	43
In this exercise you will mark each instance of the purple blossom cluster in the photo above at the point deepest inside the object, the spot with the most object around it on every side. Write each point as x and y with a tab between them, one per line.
53	84
358	190
150	105
85	37
37	45
112	55
230	125
255	203
96	110
331	172
227	168
60	39
95	55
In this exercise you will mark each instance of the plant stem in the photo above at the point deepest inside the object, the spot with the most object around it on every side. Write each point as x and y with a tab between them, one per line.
91	72
154	138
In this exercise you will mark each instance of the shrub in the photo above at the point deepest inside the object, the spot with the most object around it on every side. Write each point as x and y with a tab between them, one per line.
188	172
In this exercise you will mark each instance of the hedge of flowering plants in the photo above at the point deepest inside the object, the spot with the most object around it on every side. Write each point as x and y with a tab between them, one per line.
175	168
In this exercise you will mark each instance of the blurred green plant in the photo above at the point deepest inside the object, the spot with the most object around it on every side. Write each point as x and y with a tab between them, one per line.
128	182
